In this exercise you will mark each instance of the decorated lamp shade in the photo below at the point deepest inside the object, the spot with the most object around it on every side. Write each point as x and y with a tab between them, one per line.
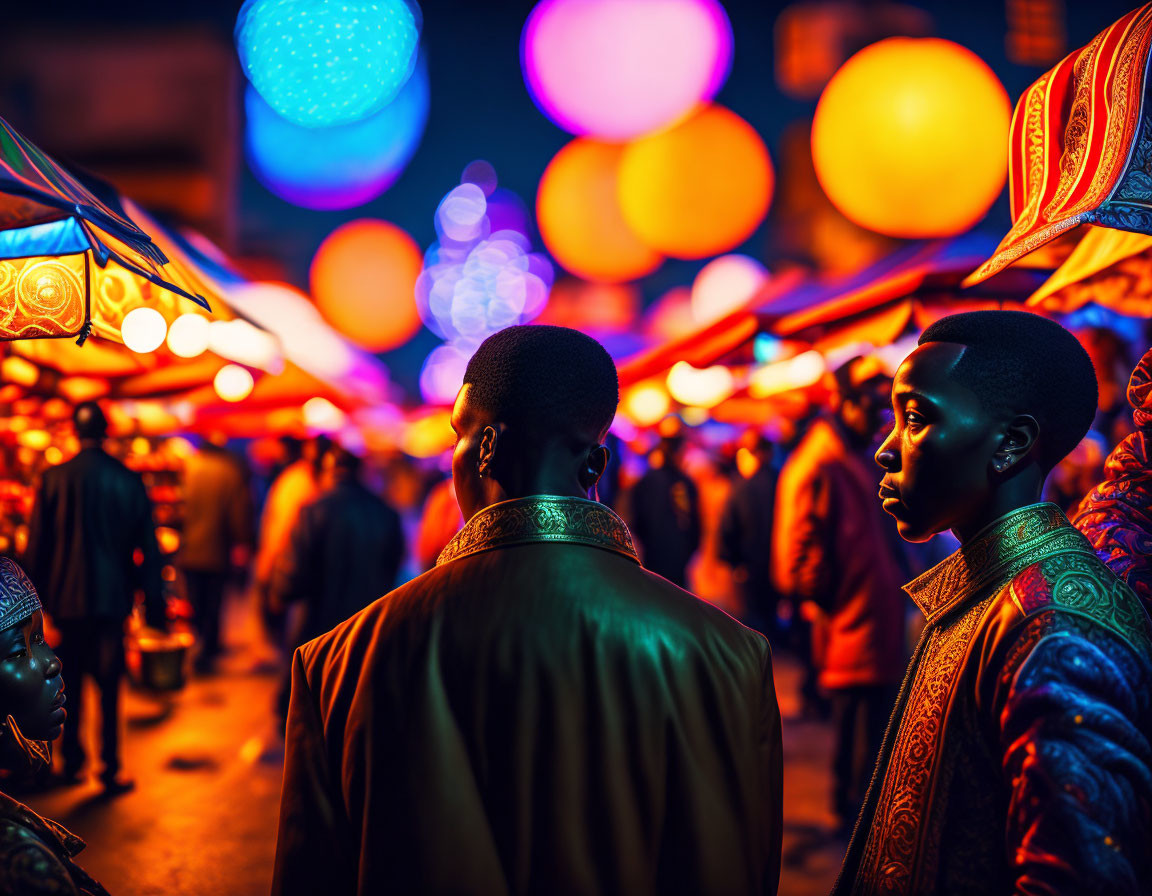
726	284
699	188
320	63
341	166
910	138
617	69
363	279
578	211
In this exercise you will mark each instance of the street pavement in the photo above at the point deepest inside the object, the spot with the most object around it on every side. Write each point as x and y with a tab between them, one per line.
207	763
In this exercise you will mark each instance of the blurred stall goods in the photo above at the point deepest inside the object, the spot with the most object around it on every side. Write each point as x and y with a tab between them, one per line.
1084	162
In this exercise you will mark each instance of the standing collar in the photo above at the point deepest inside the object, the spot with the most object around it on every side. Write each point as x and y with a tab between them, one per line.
997	553
541	518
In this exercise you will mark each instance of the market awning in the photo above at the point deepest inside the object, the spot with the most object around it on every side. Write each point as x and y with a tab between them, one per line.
1081	144
1109	267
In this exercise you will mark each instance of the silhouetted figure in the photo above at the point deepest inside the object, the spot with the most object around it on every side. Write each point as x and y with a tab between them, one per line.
345	551
216	536
834	557
537	714
1018	760
665	507
746	526
91	546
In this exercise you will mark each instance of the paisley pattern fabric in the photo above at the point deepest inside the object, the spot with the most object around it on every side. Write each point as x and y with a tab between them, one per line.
1117	515
1019	756
1080	143
18	597
541	518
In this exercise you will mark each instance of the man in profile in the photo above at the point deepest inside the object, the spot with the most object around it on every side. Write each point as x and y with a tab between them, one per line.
538	713
1019	757
91	547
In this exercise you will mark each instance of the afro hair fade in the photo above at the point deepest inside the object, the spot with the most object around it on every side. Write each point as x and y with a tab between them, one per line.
1020	363
555	379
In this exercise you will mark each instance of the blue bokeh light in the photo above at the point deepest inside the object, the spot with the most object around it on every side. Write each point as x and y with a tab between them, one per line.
320	63
338	167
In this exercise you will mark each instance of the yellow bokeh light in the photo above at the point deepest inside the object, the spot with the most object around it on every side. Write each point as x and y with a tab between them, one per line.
143	330
578	211
36	439
646	404
700	388
233	383
910	138
699	188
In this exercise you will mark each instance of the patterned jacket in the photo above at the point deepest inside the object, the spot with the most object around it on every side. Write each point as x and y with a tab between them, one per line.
1018	759
1117	515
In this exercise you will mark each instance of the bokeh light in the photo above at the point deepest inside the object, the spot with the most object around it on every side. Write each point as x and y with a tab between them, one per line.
477	280
726	284
910	138
188	335
599	307
804	370
320	415
698	189
143	330
617	69
239	341
363	277
321	63
442	374
646	404
700	388
233	383
336	167
578	211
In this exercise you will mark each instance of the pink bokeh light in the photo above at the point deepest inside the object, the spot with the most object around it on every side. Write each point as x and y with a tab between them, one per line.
616	69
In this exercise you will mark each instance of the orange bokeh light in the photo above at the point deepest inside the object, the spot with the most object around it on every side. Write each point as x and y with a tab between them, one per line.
910	138
363	280
578	211
699	188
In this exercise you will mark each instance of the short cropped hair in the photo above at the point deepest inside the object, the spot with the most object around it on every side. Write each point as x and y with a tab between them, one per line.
89	421
1020	363
553	379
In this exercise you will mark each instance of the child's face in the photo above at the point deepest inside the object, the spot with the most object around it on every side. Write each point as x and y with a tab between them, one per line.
31	687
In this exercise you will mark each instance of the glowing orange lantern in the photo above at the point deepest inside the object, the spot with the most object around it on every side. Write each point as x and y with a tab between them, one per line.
364	280
579	215
910	138
697	189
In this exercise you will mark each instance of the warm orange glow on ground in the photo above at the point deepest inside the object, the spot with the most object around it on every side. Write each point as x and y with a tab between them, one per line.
580	219
363	280
697	189
910	138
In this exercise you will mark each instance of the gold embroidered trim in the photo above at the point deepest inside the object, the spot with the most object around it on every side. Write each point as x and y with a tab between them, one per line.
541	518
1008	545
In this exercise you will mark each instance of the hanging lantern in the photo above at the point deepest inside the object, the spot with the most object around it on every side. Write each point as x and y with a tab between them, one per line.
910	138
617	69
699	188
578	210
321	63
363	280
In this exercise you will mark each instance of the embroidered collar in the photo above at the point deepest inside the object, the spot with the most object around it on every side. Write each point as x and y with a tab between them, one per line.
1000	550
541	518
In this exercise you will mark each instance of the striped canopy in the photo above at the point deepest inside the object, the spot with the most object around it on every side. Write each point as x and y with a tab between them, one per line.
1080	149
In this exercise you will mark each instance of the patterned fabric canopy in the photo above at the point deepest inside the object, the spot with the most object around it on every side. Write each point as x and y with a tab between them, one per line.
1080	149
52	227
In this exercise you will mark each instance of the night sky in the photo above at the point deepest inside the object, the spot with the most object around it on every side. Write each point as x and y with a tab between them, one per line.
481	109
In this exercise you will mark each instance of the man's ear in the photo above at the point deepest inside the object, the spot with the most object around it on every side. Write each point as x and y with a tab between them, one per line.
1019	440
594	466
489	445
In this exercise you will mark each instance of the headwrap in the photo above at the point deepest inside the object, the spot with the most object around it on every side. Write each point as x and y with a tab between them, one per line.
18	597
